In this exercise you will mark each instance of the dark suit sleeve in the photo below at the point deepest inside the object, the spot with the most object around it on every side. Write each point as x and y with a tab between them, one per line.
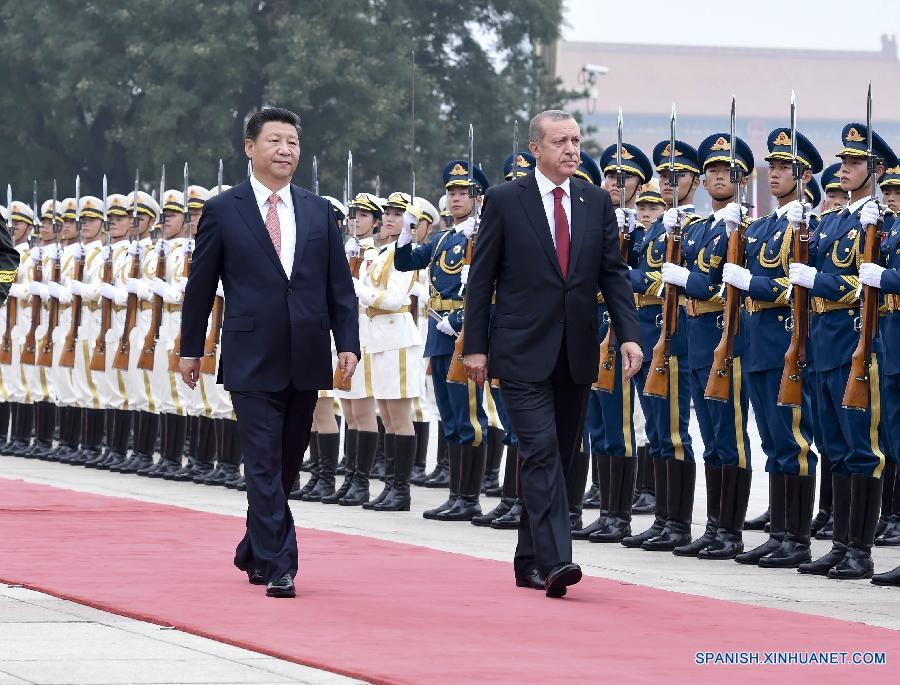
482	277
343	308
614	282
206	269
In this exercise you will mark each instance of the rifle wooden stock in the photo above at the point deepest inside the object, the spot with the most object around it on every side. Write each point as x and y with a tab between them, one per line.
857	393
67	358
12	311
457	371
355	263
123	351
790	392
338	382
145	359
29	349
657	384
175	354
45	354
718	387
98	358
606	374
211	346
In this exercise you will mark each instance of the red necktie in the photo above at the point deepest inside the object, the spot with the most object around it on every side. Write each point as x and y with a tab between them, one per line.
273	225
561	231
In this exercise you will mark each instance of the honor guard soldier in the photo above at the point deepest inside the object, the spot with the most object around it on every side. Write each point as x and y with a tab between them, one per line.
650	205
443	257
835	195
667	414
786	432
851	435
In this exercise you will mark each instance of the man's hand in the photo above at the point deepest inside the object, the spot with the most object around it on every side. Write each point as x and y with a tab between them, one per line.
476	367
632	359
190	371
347	362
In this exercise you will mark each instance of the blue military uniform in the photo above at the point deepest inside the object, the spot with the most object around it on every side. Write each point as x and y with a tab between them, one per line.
851	437
460	405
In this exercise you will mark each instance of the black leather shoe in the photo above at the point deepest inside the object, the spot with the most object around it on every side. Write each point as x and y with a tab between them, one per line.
826	531
856	564
255	577
888	578
615	529
486	519
236	482
168	467
560	578
283	587
586	532
635	541
758	523
509	520
532	580
591	498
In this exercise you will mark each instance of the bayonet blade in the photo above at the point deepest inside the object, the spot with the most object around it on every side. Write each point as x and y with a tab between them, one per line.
673	172
620	174
137	185
515	171
471	153
105	201
219	178
315	176
731	143
869	120
77	199
54	204
9	208
187	212
36	221
350	175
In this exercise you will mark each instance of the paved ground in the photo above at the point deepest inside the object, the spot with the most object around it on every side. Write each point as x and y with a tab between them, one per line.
114	648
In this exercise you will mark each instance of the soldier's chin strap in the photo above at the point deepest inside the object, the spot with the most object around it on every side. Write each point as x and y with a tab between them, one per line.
792	191
861	185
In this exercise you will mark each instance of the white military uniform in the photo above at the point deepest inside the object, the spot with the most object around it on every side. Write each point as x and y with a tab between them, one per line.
361	384
13	385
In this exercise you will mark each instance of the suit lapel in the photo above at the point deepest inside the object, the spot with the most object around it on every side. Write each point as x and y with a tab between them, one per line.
534	210
301	219
249	211
579	219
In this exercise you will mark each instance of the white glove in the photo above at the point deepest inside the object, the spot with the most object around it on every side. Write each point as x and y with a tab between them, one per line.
357	286
163	247
111	292
220	289
419	290
351	247
406	236
802	275
675	274
39	289
732	215
182	284
737	276
869	214
410	219
78	251
105	252
76	287
464	275
159	287
671	218
134	247
18	290
626	219
444	327
136	286
467	227
870	274
797	212
59	292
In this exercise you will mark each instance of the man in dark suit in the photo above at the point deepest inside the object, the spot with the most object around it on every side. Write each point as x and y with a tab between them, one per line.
279	255
547	243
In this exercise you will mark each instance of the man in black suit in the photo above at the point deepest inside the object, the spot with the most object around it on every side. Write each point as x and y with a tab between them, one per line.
547	243
279	255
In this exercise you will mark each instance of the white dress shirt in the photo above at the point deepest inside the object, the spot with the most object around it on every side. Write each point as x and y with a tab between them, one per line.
545	188
286	218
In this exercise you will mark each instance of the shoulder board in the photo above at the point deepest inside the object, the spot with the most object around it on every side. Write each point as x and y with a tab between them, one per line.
692	218
814	216
832	210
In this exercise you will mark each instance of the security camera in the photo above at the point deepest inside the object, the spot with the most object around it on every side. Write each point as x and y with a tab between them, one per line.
595	69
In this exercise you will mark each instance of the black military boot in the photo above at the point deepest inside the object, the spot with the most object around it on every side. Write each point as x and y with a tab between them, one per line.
800	492
760	522
162	447
440	476
44	422
350	442
890	536
234	480
601	464
491	485
201	461
329	449
713	502
661	506
193	438
76	430
729	541
341	468
777	502
422	430
680	479
576	479
617	525
591	499
887	494
454	454
171	460
840	495
358	494
118	444
299	492
7	425
61	428
398	499
645	494
865	507
229	464
22	428
507	491
824	513
888	578
467	506
379	468
144	444
96	425
387	444
109	428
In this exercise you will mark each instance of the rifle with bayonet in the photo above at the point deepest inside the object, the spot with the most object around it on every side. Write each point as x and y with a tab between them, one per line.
606	377
123	352
211	344
355	261
718	387
175	354
413	299
67	358
11	302
859	388
657	384
790	391
45	355
146	358
29	347
98	358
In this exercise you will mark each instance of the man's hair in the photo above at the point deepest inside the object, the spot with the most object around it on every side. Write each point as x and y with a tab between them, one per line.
263	116
536	128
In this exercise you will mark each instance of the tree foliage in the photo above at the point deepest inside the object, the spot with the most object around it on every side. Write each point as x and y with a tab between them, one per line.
103	86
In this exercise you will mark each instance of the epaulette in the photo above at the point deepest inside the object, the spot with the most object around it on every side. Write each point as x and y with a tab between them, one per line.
832	210
692	218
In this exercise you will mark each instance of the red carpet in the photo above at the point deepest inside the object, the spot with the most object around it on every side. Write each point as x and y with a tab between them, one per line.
395	613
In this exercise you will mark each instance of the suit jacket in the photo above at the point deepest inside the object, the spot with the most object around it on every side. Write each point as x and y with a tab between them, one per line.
536	304
276	327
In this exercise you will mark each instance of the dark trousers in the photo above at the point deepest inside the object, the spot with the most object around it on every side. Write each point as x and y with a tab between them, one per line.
548	419
274	429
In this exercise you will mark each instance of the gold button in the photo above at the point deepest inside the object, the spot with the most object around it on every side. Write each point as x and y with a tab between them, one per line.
781	318
851	312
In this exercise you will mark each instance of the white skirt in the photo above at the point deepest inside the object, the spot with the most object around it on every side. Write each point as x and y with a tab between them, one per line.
397	374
